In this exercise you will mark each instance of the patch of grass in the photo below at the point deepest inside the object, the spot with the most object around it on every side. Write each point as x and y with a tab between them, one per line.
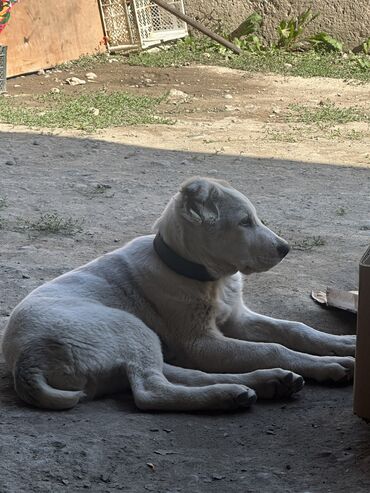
100	189
346	135
53	223
308	243
83	112
303	132
86	61
304	64
341	211
327	113
282	136
3	202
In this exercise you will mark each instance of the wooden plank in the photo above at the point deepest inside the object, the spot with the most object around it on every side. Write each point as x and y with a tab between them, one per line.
44	33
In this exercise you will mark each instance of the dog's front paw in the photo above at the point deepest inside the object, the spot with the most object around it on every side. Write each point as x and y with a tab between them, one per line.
333	369
343	346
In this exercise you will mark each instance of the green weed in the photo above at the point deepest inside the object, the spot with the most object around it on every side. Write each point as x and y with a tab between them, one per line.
289	31
327	113
3	202
308	243
324	42
52	223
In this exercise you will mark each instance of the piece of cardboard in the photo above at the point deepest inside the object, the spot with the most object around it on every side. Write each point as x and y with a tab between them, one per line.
361	404
344	300
337	298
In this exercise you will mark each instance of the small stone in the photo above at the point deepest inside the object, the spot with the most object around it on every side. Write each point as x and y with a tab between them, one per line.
176	94
228	107
25	276
9	162
105	478
55	90
228	96
75	81
91	76
17	85
153	50
217	477
36	143
277	111
94	111
41	72
288	65
207	55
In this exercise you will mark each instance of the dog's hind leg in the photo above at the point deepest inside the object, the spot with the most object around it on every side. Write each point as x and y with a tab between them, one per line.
268	384
152	391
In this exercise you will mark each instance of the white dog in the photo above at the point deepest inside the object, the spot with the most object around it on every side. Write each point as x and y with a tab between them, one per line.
108	325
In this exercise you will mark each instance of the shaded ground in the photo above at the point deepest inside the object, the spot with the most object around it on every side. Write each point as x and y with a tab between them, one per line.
113	185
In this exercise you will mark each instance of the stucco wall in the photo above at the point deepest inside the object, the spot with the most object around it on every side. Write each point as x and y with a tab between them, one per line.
346	20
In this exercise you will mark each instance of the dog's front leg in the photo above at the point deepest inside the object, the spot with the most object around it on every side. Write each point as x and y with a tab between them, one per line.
215	353
247	325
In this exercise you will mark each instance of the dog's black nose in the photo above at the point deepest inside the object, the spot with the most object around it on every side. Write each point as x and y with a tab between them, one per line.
283	249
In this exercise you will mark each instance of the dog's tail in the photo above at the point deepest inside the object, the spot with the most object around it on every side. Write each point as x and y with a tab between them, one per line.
32	387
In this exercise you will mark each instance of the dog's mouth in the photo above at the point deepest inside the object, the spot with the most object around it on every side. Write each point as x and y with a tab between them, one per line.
264	264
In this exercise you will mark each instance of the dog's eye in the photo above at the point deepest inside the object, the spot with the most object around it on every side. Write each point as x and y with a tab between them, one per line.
246	221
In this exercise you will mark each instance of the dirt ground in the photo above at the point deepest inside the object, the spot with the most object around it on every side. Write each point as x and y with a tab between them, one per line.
115	183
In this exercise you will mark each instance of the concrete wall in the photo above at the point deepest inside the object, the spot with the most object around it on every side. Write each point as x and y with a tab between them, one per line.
346	20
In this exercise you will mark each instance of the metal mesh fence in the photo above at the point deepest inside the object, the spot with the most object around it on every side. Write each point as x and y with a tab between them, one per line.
2	68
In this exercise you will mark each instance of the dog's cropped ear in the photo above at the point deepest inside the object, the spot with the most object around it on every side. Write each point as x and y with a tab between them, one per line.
199	199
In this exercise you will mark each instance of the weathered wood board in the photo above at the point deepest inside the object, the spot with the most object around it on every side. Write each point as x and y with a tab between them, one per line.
44	33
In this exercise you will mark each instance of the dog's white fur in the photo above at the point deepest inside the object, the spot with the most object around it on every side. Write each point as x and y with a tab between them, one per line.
108	325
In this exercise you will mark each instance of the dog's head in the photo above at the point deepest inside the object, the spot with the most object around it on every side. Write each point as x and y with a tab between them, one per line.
219	227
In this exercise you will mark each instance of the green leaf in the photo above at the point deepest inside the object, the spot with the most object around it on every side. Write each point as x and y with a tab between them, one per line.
326	42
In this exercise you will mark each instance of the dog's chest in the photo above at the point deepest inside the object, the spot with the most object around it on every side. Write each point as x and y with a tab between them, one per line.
226	298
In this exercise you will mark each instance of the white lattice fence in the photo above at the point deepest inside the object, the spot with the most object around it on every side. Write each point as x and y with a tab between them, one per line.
142	23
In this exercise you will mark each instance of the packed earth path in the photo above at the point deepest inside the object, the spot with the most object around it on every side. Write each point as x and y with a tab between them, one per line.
299	149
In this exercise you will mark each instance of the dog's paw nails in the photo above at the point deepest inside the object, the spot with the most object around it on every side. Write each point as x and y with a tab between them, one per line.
246	399
298	384
288	379
293	382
